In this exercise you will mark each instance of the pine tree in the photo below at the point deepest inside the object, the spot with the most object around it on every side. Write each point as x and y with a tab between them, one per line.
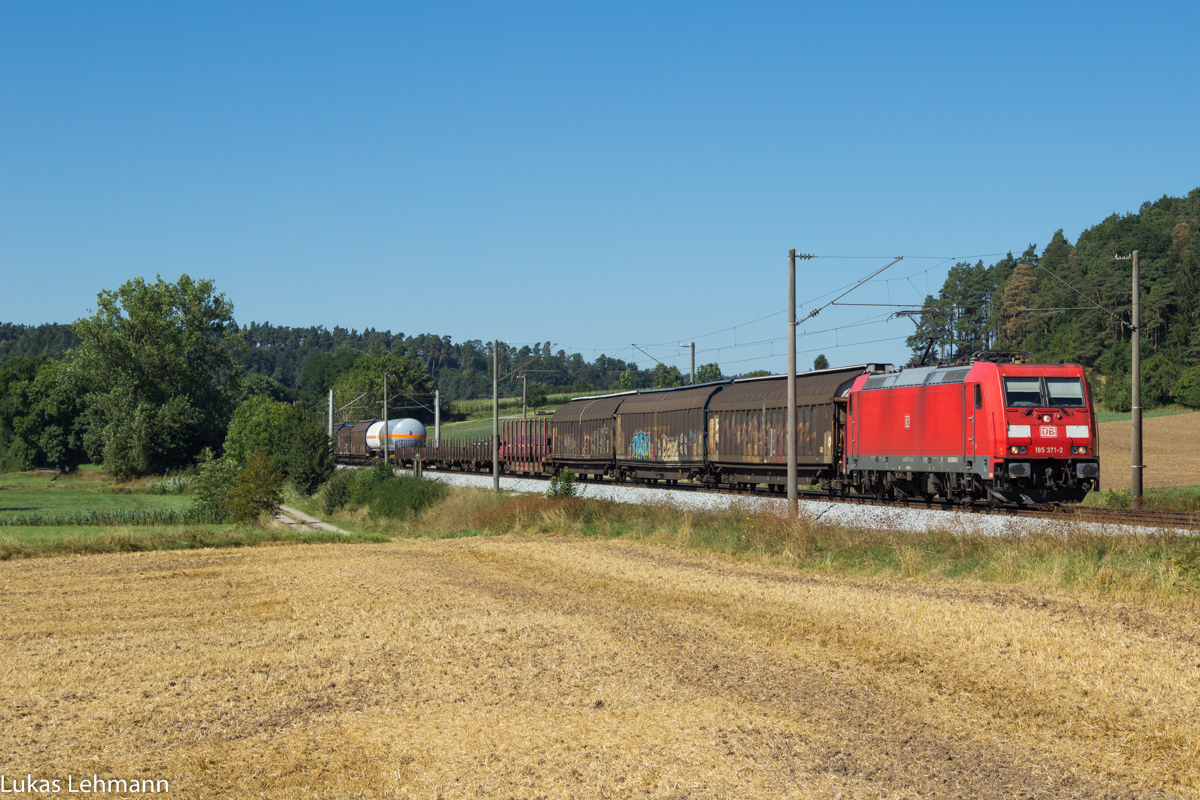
1016	299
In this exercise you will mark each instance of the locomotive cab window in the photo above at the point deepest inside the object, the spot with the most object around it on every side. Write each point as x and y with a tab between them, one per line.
1022	392
979	395
1065	392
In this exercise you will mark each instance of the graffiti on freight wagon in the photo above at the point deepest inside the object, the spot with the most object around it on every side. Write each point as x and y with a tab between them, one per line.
641	447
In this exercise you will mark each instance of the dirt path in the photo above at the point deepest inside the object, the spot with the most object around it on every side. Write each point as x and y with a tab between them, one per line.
522	668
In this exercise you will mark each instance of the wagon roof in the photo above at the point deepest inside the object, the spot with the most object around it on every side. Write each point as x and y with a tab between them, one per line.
685	399
586	409
812	388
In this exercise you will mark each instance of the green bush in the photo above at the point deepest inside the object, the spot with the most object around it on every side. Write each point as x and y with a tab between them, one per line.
1116	392
338	490
401	497
563	485
259	488
261	425
18	458
1187	389
368	480
1159	376
378	488
214	483
308	457
1115	498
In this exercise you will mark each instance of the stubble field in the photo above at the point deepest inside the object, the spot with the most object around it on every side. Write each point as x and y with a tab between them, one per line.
534	667
1170	451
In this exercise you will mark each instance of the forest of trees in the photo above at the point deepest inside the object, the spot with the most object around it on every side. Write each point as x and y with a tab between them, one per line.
1072	302
302	364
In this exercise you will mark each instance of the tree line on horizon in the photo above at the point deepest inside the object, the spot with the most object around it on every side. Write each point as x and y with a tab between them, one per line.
303	364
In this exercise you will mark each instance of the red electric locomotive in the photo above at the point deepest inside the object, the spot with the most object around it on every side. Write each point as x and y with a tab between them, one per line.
1004	432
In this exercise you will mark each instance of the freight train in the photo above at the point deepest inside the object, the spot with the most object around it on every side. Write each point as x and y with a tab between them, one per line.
990	430
365	438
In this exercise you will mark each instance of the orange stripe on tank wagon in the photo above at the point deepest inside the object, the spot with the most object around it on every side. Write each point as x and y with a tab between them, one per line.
406	436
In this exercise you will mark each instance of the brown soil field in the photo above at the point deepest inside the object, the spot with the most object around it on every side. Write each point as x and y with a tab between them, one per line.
1170	451
558	668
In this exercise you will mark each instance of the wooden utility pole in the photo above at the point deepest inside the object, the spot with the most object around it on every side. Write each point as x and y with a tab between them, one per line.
437	417
524	383
693	378
792	493
331	415
1135	478
496	415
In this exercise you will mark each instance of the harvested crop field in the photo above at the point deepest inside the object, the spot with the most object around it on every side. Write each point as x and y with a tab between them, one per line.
1170	450
523	667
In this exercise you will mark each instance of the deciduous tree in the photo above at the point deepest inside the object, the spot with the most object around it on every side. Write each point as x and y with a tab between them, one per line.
157	369
406	375
39	416
665	377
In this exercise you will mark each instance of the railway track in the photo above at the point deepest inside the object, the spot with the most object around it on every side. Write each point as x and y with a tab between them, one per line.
1124	516
1108	516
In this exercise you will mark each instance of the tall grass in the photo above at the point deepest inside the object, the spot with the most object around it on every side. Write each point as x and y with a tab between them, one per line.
116	516
177	484
1059	557
1159	498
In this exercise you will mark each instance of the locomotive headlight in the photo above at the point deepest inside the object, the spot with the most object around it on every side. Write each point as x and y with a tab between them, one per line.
1023	448
1014	449
1046	417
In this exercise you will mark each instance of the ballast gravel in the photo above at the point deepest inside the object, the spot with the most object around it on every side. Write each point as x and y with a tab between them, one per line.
849	515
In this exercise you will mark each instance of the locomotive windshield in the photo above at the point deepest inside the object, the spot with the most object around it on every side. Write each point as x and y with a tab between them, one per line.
1029	392
1065	392
1022	392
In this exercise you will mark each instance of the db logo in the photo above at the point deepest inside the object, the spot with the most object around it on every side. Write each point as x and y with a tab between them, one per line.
1049	431
907	421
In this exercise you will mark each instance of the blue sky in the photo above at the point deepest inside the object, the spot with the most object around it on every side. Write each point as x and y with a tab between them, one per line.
592	175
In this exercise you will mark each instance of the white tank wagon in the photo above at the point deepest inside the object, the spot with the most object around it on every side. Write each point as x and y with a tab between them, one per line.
402	433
